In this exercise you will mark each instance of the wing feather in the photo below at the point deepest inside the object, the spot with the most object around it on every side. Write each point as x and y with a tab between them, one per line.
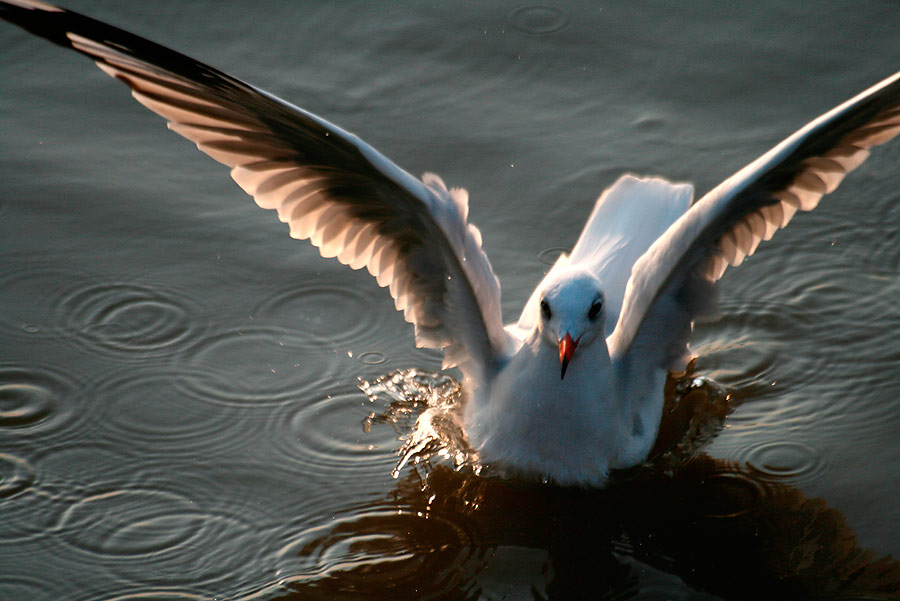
727	225
327	184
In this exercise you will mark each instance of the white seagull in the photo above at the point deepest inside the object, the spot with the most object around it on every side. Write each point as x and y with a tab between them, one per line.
574	388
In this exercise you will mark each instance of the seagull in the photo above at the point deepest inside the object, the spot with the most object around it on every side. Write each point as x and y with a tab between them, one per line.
574	388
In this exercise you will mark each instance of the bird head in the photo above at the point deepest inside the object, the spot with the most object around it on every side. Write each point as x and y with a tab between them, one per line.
572	314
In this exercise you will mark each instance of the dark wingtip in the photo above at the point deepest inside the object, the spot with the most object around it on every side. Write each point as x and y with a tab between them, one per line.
41	19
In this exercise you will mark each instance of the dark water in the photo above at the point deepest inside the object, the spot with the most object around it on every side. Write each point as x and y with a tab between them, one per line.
179	411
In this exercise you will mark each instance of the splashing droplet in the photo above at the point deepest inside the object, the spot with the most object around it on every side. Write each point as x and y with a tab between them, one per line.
423	408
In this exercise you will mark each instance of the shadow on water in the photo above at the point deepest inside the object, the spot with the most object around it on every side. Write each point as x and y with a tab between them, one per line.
717	526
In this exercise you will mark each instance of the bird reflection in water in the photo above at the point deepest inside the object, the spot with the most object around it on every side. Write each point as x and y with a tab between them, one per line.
446	532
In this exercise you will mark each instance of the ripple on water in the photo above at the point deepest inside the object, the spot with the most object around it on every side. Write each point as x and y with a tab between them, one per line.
784	460
742	348
130	522
75	465
255	364
31	515
548	256
539	20
23	404
159	537
201	523
160	595
39	400
30	506
221	549
233	492
28	291
327	434
127	319
324	316
150	410
19	587
16	475
380	549
372	358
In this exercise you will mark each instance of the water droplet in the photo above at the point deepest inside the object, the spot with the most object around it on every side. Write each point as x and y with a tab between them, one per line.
422	409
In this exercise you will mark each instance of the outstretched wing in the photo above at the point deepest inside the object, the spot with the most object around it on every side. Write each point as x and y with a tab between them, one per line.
328	185
672	279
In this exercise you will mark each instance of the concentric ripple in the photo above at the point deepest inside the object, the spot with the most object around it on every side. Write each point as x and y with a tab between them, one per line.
327	434
161	595
29	290
158	537
548	256
785	460
80	462
150	408
35	398
130	522
324	316
378	549
168	536
256	364
539	20
372	358
23	404
16	475
17	587
219	550
127	318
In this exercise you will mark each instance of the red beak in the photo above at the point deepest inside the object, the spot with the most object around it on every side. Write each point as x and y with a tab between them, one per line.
566	350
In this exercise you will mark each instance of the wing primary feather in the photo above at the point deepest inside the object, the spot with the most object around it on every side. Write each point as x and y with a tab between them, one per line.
727	224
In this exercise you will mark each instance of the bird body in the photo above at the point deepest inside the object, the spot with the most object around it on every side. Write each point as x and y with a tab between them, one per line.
574	387
604	413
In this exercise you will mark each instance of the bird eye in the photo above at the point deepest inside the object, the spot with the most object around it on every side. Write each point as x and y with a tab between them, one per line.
596	308
545	309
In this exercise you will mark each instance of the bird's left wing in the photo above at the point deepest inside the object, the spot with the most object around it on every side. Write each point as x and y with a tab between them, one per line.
328	185
672	278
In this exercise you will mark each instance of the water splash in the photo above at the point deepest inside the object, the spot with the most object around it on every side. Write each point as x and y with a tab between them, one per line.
424	409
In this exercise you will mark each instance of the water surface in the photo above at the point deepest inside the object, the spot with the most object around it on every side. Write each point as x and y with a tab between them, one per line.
179	410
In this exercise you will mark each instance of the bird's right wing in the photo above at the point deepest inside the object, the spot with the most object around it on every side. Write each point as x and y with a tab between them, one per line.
669	282
328	185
